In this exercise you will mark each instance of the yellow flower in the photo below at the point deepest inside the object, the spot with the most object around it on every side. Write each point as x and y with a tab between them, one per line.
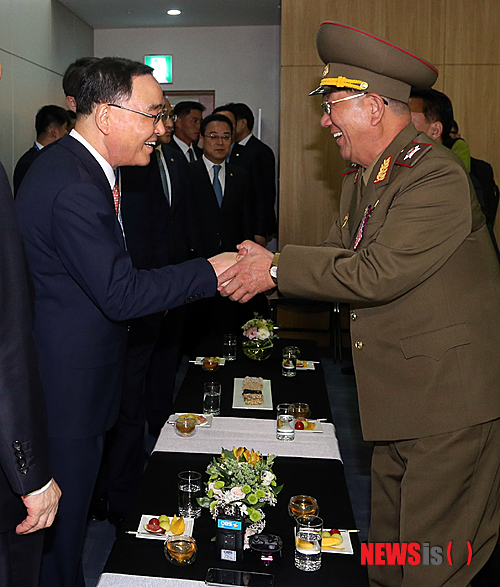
237	452
252	457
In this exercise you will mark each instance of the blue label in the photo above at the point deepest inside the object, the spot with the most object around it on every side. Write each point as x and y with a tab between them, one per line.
229	524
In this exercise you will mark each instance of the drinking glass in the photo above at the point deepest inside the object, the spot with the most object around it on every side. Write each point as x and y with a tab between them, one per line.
302	505
285	423
229	352
308	543
185	426
288	364
293	349
210	363
300	410
189	489
180	550
211	398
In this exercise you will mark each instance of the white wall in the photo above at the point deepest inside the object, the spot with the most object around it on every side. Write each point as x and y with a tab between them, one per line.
38	40
242	64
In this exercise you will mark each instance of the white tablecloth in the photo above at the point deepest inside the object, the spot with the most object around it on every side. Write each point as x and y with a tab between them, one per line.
114	580
251	433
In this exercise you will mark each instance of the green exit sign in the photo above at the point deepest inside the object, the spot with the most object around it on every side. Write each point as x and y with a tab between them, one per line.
162	66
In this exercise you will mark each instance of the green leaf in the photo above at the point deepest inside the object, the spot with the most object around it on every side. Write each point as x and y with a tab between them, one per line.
203	501
276	490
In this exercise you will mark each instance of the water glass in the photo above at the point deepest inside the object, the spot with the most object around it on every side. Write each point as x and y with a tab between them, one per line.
289	364
189	489
180	550
285	423
308	543
211	398
229	352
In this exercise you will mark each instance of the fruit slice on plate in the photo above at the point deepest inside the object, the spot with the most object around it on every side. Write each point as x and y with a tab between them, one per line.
177	526
154	527
198	417
304	544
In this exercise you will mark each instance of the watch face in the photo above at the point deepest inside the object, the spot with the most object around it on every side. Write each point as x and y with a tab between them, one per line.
274	272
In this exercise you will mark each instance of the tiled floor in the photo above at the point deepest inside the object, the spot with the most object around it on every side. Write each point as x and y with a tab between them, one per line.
355	452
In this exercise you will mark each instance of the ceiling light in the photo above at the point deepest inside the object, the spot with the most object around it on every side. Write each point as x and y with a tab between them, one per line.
173	12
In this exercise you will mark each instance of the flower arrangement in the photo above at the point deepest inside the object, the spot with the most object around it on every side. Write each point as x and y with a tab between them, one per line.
259	328
241	482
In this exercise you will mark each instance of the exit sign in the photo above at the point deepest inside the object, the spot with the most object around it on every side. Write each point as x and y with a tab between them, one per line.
162	66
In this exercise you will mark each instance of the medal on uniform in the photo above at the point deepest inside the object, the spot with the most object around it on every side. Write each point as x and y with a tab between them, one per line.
362	226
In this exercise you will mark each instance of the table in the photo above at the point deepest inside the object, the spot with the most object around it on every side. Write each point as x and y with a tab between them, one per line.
307	386
253	433
134	561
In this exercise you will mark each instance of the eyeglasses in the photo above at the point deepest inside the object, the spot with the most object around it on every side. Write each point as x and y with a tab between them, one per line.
214	137
327	106
162	115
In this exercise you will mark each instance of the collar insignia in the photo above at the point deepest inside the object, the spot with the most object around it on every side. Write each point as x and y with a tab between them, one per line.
384	169
412	152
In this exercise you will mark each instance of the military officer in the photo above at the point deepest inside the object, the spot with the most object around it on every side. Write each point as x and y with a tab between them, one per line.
412	255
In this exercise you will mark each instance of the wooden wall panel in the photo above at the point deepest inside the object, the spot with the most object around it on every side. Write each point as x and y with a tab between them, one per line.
472	32
310	165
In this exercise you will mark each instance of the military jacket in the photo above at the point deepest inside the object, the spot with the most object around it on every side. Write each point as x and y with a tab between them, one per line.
412	256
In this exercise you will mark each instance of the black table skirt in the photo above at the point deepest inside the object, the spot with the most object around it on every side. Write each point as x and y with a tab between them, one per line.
324	479
306	386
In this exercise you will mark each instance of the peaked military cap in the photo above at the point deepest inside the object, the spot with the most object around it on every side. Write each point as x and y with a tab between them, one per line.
358	60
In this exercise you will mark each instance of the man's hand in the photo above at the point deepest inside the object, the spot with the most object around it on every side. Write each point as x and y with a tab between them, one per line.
251	274
42	509
222	261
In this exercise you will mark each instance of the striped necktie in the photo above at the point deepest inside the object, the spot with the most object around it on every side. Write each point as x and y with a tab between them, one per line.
116	197
217	185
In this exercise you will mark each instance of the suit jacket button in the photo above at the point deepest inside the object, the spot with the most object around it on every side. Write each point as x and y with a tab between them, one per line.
353	316
22	462
16	444
24	470
358	345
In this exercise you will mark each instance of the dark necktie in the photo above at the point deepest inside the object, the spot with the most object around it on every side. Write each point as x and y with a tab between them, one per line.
217	185
163	176
191	154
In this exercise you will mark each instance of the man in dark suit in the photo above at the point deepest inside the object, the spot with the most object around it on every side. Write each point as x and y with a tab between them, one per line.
28	494
86	287
51	123
244	138
153	213
249	161
187	129
221	213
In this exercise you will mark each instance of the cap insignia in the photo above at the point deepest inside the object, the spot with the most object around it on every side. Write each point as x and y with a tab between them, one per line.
326	70
382	172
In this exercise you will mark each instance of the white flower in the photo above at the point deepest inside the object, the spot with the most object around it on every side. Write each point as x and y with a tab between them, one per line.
238	492
263	333
267	478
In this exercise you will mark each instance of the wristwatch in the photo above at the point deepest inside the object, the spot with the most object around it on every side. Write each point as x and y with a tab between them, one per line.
273	270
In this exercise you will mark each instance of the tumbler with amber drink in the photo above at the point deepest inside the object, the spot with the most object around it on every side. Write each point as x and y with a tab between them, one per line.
302	505
180	550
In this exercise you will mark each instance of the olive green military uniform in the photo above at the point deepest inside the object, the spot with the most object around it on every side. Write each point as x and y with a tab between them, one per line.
424	287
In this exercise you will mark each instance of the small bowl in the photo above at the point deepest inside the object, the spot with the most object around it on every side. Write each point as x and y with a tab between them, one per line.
180	550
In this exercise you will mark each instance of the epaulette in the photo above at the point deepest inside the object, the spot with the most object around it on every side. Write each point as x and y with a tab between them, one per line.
412	153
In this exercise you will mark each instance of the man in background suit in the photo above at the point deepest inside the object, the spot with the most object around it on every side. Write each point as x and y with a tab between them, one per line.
28	494
86	287
187	129
153	213
220	210
51	123
249	161
244	138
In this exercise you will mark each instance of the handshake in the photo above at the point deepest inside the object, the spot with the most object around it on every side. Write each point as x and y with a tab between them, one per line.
245	273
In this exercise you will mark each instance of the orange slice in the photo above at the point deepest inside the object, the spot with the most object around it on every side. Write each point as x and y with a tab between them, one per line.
177	526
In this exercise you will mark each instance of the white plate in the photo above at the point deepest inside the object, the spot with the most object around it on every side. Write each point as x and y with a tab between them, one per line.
173	418
199	361
346	545
239	402
305	365
344	548
143	533
318	428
